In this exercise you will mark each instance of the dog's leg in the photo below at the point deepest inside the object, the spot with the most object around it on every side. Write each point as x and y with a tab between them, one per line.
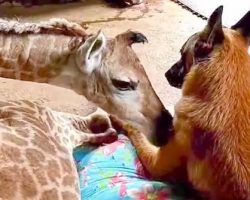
159	161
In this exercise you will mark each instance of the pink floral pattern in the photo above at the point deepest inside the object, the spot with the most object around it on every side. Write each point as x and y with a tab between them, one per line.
110	149
149	193
114	171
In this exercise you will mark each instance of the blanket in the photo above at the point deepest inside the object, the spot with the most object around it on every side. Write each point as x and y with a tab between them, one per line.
114	172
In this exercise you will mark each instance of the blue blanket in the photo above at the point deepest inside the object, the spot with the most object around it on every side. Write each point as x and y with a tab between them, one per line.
114	172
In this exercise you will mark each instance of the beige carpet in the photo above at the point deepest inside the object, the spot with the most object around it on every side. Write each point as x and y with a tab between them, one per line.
166	24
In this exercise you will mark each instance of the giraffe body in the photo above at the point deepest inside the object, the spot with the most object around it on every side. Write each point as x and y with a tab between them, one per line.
36	160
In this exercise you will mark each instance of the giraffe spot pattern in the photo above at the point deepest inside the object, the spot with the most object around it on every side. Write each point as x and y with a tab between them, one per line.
50	195
40	175
72	138
44	143
36	130
50	120
16	48
59	129
23	110
59	146
68	196
14	122
23	132
43	72
37	123
66	165
10	154
28	185
35	157
5	104
14	139
65	140
29	104
69	180
53	171
8	73
8	183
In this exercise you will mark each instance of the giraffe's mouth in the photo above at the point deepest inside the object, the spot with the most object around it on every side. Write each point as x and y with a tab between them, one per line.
163	128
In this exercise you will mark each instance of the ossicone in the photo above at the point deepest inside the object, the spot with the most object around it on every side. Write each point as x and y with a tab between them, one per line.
130	37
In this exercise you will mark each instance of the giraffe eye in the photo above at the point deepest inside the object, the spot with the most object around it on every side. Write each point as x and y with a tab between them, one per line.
124	85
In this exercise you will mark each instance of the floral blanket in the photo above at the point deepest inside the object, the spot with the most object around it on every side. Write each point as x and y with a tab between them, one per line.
114	172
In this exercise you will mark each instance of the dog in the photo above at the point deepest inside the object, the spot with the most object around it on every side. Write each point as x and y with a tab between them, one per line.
211	125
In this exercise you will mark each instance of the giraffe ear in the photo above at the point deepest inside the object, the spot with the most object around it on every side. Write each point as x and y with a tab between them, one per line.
92	52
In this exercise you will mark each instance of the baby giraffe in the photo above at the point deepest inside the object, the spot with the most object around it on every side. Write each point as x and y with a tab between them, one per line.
36	159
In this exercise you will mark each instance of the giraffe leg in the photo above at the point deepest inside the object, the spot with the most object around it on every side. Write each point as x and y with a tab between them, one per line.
100	124
159	161
106	137
98	121
95	128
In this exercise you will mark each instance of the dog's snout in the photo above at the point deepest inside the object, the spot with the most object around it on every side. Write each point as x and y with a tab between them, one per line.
168	76
171	71
175	75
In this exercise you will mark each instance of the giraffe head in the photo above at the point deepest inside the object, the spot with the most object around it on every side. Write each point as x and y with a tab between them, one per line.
105	70
113	77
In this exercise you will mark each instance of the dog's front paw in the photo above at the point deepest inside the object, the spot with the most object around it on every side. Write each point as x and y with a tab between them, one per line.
123	127
131	130
117	123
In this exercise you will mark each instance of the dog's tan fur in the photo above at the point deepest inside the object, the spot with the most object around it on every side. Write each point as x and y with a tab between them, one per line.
212	119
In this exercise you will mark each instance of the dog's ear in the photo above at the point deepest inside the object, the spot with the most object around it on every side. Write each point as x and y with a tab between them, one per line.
211	35
213	32
243	26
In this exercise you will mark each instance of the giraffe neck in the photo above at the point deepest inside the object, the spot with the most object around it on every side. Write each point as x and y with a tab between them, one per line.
40	52
70	135
69	77
40	58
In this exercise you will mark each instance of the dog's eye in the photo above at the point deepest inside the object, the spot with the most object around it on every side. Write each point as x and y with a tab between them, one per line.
124	85
202	49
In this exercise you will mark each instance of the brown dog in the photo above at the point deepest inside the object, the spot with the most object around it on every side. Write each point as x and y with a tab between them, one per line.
211	135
